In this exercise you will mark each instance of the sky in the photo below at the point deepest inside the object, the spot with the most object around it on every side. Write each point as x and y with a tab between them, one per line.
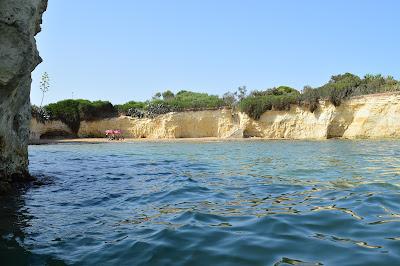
128	49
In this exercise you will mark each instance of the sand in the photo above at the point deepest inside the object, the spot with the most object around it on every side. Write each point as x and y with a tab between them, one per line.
104	140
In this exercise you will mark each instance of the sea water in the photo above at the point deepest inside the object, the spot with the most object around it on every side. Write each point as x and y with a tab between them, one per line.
208	203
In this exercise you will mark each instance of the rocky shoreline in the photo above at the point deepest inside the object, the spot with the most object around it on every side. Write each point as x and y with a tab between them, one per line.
372	116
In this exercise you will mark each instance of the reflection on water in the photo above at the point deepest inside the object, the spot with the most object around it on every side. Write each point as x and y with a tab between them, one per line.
230	203
13	221
11	224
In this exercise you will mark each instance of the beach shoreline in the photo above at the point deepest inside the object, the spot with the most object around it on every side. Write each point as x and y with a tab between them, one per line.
179	140
128	140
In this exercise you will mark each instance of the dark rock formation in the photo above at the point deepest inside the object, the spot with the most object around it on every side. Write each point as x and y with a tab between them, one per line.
19	23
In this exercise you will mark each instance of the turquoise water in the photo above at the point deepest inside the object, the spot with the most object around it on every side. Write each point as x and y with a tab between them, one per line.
218	203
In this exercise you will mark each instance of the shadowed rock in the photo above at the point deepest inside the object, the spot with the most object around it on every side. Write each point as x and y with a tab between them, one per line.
19	23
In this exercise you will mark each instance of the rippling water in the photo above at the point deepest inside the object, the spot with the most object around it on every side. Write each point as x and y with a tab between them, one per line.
218	203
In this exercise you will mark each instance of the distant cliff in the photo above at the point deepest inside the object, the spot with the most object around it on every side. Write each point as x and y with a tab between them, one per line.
370	116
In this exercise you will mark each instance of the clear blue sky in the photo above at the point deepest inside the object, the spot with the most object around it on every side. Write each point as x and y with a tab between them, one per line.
128	50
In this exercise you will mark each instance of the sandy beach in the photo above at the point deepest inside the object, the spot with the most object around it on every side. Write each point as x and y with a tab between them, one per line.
104	140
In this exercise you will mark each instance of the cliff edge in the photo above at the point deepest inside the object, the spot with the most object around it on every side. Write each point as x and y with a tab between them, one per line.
369	116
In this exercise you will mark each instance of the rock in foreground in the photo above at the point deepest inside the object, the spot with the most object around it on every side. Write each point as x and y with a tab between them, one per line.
19	23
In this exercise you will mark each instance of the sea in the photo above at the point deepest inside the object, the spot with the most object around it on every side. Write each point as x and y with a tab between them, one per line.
253	202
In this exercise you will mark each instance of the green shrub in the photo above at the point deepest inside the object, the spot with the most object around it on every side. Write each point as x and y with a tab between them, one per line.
187	100
336	96
167	95
258	102
342	87
124	108
67	111
40	114
339	88
72	112
167	101
90	111
309	98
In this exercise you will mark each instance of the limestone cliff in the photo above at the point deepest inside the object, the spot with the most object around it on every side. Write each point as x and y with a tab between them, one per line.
172	125
19	22
49	129
371	116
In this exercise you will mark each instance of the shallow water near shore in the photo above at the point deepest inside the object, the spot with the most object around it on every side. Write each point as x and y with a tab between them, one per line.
220	203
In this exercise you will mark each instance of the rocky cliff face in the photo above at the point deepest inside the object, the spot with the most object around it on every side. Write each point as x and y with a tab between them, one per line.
371	116
19	22
172	125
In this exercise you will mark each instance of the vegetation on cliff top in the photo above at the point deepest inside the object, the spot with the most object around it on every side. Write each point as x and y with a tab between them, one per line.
72	112
338	88
167	101
255	103
187	100
258	102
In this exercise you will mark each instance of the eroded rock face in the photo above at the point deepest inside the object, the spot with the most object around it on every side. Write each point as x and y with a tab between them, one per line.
369	116
19	23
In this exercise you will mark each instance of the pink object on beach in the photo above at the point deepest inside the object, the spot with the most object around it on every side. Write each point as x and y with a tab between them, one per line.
115	134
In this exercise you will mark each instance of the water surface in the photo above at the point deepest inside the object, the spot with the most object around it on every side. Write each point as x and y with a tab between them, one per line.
218	203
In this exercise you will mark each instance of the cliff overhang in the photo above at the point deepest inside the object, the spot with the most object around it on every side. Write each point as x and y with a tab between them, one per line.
20	21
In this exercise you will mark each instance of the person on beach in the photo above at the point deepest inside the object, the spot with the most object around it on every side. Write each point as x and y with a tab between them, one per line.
118	134
109	134
114	134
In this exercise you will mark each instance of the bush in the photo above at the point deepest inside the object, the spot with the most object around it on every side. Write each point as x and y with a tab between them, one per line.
124	108
157	107
309	98
165	102
72	112
138	113
167	95
342	87
185	100
90	111
258	102
67	111
229	99
40	114
336	96
338	88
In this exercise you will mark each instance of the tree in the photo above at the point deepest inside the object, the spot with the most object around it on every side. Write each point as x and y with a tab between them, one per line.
168	95
157	96
44	85
241	93
310	98
229	99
